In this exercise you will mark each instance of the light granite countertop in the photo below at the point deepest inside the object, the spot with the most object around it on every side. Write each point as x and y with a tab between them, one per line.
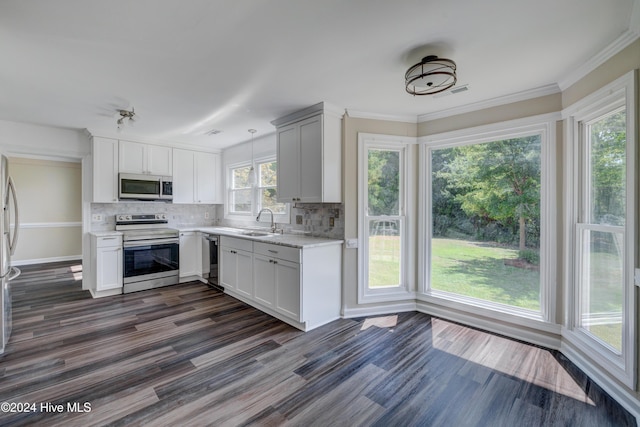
293	240
106	233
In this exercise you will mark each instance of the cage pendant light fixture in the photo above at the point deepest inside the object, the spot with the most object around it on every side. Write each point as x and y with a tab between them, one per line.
251	179
430	76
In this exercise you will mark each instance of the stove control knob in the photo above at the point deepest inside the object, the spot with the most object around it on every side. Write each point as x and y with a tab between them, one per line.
128	217
121	217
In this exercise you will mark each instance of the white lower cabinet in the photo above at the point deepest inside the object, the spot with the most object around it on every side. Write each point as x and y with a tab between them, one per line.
265	280
299	286
287	278
236	265
189	254
106	265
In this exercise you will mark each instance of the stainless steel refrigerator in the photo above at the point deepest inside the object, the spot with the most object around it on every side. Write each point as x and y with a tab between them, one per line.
9	239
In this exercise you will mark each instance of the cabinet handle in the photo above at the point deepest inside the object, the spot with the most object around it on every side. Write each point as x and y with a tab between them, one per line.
109	238
275	262
272	251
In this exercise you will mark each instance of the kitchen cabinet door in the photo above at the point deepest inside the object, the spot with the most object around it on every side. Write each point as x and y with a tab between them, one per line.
310	132
132	158
228	268
207	167
148	159
159	160
288	174
183	176
109	268
189	257
244	273
105	170
288	292
264	282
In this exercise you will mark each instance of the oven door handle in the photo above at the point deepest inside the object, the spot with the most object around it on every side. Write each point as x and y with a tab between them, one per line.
135	243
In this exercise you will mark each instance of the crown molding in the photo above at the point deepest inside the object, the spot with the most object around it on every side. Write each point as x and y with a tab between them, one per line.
625	39
319	108
493	102
355	114
148	140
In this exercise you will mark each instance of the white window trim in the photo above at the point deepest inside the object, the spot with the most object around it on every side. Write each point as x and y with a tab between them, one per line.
623	367
545	125
406	288
284	218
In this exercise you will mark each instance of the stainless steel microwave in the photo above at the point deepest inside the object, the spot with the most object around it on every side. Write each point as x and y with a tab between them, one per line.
145	187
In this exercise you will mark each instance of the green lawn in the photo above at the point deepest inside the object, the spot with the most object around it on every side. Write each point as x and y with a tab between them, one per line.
473	269
477	269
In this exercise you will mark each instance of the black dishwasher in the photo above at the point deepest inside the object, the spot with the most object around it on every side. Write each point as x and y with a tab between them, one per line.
212	241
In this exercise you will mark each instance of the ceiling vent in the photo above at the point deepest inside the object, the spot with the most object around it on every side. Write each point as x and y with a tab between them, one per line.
452	91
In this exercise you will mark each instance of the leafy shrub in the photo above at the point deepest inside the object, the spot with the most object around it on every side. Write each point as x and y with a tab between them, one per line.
529	255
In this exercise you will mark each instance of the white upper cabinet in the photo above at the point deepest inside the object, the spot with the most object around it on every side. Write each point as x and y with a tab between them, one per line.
196	177
136	157
309	150
105	170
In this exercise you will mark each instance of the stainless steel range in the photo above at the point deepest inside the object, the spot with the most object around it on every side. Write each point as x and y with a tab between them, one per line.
151	251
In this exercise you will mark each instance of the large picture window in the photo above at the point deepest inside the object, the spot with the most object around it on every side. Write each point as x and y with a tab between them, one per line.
487	217
485	241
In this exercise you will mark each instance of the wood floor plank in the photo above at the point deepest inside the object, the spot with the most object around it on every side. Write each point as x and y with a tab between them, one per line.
191	355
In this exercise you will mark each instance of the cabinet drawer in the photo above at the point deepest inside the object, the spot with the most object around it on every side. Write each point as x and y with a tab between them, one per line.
232	242
108	241
277	251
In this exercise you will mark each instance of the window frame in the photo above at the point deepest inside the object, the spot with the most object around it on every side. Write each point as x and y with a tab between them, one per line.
283	218
621	92
545	126
405	289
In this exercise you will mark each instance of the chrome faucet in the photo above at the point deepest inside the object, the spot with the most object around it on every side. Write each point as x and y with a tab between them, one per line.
273	224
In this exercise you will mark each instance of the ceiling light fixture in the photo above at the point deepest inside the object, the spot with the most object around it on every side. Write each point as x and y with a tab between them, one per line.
430	76
251	179
126	114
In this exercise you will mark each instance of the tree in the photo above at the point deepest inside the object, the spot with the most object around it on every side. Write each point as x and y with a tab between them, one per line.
498	181
608	139
383	181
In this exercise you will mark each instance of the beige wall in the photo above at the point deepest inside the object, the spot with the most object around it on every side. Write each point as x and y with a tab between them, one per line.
626	60
49	201
516	110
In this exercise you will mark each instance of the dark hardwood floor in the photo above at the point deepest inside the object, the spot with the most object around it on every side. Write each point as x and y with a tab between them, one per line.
188	355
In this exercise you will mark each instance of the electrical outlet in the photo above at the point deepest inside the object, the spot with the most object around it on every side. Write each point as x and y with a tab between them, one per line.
351	243
96	217
298	219
206	215
332	221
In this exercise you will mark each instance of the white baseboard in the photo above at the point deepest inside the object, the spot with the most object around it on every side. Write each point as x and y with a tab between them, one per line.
46	260
551	341
629	400
348	313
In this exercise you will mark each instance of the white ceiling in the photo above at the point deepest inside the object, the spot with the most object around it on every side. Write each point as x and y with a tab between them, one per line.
189	66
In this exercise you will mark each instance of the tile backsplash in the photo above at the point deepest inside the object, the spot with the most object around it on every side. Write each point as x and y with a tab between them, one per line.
179	215
315	219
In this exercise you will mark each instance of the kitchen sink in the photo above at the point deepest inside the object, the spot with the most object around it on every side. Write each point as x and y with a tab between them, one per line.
258	233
